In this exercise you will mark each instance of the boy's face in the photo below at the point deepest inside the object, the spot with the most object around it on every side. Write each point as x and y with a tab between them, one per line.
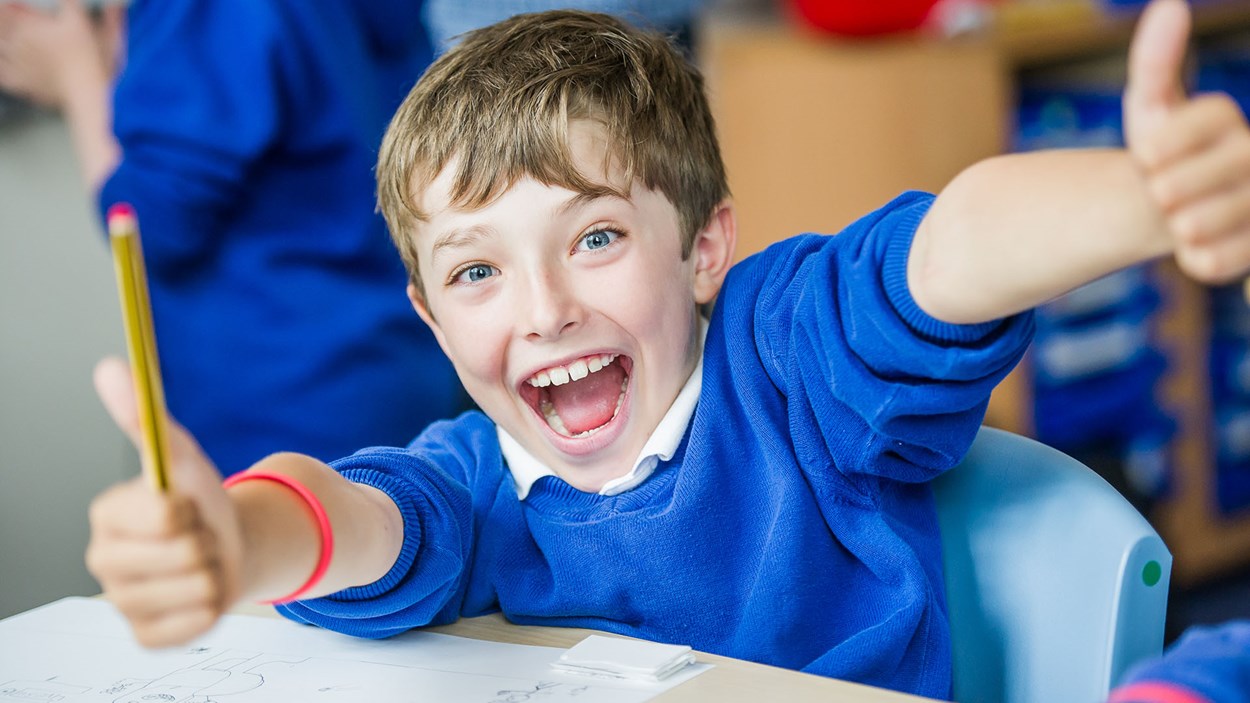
571	321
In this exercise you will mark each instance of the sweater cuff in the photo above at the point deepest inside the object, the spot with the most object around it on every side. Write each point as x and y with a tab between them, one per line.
411	513
894	280
1155	692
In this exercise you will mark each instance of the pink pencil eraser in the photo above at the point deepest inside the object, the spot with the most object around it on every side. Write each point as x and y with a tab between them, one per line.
121	210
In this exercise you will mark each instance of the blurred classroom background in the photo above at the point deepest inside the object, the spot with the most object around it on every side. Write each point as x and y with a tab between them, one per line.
1144	376
826	110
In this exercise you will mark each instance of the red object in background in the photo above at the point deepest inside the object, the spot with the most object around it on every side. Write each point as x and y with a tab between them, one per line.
864	17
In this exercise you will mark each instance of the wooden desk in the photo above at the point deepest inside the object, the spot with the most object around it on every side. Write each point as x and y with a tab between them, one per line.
729	681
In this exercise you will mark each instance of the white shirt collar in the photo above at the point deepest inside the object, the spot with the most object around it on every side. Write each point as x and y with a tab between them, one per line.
660	446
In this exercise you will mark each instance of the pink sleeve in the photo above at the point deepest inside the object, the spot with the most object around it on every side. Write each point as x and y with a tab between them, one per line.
1154	692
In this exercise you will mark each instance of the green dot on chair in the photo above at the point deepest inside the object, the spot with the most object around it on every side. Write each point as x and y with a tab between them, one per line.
1151	573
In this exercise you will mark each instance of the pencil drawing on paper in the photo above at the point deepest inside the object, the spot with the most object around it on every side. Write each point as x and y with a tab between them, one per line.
79	651
540	689
213	679
227	674
48	691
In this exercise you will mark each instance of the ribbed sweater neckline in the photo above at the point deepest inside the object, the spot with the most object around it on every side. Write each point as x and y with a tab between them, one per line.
551	495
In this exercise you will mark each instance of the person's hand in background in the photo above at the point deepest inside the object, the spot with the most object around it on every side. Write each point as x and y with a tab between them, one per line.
66	60
46	57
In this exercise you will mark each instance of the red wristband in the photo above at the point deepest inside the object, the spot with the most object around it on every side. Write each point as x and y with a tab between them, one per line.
318	511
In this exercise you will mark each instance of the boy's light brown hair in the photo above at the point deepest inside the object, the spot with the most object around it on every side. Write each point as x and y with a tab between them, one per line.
501	102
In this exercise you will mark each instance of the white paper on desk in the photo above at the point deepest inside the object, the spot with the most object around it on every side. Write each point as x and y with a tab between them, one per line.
80	650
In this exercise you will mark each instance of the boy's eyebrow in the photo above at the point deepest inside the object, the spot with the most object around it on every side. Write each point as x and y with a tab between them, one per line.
582	199
458	237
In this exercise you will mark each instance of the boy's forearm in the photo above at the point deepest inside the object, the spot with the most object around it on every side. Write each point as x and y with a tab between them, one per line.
1015	231
281	539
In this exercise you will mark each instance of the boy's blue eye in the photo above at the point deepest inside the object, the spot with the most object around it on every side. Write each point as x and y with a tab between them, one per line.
598	239
474	274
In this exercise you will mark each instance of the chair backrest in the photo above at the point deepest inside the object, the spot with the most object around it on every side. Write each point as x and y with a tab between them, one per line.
1055	584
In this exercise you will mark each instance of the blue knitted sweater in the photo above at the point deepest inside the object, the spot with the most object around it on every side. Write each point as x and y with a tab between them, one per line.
249	129
1207	664
794	525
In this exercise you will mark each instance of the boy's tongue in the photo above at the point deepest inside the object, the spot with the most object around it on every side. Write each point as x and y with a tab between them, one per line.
588	403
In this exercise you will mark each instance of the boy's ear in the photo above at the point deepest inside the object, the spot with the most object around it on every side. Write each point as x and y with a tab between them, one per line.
423	311
713	252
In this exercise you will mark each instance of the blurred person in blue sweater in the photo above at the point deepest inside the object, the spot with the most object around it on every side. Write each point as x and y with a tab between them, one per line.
1208	664
244	133
447	20
754	483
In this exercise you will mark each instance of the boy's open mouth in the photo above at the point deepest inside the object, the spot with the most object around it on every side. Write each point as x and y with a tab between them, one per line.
579	398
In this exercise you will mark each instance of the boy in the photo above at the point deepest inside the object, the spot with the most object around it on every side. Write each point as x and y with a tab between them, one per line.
753	485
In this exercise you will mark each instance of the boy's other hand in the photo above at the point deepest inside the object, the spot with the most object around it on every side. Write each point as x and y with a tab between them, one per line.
1193	152
170	563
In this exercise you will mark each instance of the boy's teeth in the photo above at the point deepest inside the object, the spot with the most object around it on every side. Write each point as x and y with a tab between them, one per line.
553	420
576	371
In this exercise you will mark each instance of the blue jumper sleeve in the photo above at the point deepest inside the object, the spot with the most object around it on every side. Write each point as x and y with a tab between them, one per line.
1206	665
196	105
426	585
840	335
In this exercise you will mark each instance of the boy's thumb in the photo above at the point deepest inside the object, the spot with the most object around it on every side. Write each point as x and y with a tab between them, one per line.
114	383
1156	59
115	386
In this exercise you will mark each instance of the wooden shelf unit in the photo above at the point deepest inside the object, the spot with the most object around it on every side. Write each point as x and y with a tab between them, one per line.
1072	35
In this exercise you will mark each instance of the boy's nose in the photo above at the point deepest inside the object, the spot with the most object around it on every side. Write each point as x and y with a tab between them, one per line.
551	308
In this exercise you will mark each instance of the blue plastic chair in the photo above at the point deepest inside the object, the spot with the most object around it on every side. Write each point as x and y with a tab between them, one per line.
1055	584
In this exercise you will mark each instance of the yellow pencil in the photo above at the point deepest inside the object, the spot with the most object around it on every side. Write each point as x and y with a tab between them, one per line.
132	287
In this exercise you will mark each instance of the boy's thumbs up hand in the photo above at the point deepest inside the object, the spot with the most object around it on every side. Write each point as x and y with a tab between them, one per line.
1156	58
169	562
1193	152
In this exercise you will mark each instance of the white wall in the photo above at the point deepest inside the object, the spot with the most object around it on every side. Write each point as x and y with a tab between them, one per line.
58	315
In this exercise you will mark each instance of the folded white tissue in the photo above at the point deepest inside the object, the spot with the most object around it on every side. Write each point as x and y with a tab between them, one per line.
610	657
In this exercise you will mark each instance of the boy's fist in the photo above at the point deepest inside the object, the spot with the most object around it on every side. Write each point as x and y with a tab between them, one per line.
1194	152
157	562
170	563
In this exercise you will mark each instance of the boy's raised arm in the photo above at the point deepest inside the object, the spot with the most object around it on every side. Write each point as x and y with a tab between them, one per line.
173	564
1015	231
